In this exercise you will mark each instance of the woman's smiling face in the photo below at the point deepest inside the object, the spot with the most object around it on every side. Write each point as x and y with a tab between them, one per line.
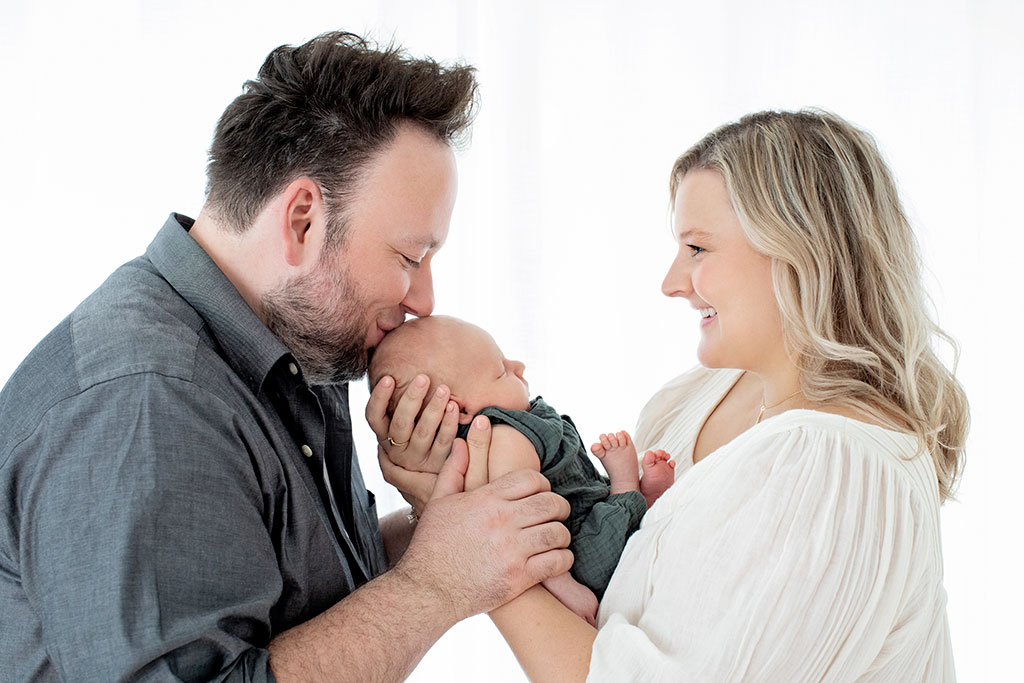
724	278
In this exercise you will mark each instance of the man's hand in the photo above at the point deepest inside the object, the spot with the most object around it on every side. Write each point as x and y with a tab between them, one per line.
408	446
478	550
422	444
471	552
415	487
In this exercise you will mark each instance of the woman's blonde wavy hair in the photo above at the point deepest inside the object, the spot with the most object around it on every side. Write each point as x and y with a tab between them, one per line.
814	194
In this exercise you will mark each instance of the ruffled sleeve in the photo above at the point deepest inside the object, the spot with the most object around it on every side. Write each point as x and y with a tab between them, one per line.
790	554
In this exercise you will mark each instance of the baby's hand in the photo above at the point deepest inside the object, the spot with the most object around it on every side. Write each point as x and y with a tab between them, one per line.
618	455
659	473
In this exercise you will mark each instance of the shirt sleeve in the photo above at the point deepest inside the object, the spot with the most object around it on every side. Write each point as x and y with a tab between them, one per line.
143	547
784	559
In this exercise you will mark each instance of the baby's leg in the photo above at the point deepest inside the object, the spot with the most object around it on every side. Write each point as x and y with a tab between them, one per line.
574	595
659	473
618	455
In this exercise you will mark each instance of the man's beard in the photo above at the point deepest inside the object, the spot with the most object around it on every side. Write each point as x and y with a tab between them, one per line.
320	317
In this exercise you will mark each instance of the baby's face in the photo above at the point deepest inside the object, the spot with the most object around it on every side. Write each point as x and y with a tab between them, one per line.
482	376
454	353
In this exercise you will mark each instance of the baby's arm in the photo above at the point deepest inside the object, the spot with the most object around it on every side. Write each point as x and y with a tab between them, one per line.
510	451
618	455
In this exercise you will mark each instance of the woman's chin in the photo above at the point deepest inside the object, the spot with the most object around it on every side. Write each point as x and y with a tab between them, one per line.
708	358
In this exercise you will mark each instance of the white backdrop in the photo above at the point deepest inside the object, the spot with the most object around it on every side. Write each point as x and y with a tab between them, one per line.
560	236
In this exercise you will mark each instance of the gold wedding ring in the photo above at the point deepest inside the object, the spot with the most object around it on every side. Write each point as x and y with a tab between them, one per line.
397	443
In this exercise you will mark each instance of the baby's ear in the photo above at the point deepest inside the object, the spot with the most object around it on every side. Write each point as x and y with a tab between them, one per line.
464	417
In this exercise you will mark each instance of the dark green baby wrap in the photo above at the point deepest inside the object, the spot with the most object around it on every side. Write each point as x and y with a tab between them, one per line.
600	523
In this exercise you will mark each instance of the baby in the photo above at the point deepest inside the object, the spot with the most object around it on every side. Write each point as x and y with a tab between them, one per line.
604	511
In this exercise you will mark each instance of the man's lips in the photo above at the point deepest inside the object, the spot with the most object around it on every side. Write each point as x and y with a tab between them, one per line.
383	329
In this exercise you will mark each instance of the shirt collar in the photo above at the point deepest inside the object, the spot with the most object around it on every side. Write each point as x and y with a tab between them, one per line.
246	343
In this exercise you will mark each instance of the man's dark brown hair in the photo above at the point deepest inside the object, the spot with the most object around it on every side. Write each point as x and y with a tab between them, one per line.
322	110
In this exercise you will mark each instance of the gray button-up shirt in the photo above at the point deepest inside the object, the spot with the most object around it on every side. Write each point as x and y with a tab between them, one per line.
164	471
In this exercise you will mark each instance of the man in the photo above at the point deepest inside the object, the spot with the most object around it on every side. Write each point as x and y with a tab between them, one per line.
182	498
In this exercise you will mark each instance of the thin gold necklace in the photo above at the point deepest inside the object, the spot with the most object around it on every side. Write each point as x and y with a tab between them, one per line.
772	407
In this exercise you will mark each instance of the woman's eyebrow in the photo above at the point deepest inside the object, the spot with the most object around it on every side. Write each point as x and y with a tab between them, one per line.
698	235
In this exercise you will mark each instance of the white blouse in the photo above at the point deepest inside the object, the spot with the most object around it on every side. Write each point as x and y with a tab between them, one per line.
806	549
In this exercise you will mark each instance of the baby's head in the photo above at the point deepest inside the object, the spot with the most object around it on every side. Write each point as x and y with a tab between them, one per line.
454	353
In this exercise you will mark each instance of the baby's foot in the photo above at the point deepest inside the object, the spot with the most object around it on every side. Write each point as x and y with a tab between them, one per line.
574	595
618	455
659	473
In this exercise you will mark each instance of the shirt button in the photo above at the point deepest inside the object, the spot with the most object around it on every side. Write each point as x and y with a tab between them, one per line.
292	368
307	451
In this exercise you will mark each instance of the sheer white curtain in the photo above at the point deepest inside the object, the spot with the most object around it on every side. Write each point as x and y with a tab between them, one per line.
560	238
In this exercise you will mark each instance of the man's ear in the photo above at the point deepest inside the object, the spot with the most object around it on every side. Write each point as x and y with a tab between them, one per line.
302	221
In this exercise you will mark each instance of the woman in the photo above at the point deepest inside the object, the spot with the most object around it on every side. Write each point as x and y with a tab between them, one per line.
814	445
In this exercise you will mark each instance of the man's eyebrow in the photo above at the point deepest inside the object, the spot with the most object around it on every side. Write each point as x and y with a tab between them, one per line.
429	244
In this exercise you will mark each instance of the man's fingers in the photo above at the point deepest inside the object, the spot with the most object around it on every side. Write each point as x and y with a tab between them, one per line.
377	406
544	537
479	436
445	438
519	484
452	477
416	485
548	564
426	426
540	508
404	418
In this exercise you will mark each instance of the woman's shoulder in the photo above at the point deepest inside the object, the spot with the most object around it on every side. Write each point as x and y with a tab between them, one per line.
834	431
839	447
699	377
810	460
689	395
690	385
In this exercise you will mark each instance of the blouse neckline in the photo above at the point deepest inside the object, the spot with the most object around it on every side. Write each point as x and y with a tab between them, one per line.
774	420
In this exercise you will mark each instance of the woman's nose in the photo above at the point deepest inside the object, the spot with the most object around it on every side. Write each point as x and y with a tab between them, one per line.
677	280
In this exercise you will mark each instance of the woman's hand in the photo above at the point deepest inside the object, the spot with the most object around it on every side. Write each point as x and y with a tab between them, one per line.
411	451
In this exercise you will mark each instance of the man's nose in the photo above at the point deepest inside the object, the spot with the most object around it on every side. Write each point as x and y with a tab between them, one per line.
419	300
